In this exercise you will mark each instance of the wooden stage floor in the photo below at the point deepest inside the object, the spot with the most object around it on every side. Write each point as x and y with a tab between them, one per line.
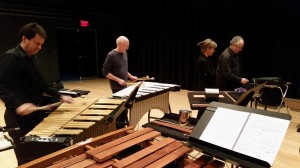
288	155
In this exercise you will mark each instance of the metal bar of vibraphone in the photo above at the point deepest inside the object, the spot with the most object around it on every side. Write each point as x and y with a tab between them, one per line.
140	108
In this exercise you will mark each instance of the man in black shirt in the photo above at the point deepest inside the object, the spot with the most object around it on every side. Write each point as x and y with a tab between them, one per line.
22	85
228	69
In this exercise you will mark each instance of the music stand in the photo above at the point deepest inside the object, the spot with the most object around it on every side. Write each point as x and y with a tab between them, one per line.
240	135
127	104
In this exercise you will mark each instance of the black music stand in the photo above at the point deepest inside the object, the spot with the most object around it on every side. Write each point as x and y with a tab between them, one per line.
272	93
74	93
240	135
127	104
272	96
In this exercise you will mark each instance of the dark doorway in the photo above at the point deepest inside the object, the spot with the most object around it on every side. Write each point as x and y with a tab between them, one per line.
77	53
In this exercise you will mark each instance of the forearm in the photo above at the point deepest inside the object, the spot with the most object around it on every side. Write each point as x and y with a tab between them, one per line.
113	77
131	77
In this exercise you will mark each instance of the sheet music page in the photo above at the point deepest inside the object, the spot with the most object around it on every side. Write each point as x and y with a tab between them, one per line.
4	142
262	137
224	127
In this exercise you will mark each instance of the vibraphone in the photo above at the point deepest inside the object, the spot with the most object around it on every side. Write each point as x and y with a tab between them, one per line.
69	124
120	148
151	95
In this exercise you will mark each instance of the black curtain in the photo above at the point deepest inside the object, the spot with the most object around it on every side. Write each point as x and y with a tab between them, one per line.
163	37
163	34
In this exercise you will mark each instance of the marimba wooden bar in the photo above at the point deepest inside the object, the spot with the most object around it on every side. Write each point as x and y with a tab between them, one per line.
69	124
105	151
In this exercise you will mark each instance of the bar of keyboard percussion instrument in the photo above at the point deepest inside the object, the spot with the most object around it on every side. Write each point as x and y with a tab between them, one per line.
120	148
69	124
150	95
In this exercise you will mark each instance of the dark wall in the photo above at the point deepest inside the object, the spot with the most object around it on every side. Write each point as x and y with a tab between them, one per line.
13	17
163	34
9	32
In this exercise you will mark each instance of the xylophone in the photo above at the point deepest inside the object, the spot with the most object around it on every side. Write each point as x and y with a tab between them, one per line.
69	124
150	95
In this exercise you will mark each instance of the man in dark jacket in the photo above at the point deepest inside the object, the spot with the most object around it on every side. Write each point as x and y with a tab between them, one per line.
228	69
22	86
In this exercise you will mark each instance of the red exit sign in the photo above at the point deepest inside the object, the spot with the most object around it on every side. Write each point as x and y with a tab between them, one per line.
84	23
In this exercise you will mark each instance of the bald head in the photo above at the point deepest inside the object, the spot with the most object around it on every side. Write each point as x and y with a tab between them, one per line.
122	44
122	39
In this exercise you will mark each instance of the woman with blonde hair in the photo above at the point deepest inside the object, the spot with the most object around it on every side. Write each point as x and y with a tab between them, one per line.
205	69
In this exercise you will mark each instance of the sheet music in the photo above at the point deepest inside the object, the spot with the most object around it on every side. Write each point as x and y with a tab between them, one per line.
262	137
4	142
255	135
224	127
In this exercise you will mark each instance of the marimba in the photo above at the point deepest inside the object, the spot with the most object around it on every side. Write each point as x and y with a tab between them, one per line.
151	95
69	124
120	148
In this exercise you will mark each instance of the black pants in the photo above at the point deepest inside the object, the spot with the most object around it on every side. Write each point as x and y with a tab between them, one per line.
122	120
25	125
16	135
10	120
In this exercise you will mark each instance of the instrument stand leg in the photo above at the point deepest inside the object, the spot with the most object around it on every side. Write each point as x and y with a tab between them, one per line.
200	113
298	129
122	120
149	116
